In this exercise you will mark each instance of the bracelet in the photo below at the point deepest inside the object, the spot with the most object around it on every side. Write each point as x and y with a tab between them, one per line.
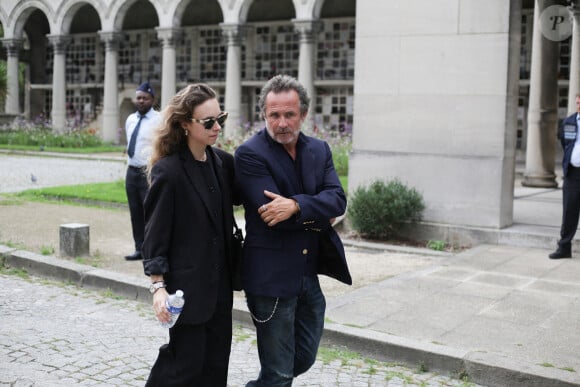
156	286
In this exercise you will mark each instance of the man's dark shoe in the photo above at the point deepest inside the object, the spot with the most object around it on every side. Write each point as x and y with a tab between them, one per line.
136	256
561	253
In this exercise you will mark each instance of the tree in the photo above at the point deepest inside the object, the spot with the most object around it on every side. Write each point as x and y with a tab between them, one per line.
3	84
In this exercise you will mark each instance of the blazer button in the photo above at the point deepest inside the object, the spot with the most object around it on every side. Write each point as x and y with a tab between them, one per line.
305	251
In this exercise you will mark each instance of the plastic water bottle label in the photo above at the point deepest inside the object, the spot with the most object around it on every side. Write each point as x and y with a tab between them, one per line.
174	309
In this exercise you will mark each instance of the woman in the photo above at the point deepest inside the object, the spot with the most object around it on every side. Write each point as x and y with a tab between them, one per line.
189	216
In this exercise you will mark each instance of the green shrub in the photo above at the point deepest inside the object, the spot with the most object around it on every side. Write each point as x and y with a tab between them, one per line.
380	210
340	142
340	155
38	133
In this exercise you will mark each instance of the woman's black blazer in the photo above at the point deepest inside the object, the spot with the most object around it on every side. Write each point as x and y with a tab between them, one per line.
182	235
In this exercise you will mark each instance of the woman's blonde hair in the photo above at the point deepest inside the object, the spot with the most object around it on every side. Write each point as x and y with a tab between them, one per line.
171	135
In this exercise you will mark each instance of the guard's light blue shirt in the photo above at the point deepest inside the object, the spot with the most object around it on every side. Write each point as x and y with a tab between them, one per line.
575	158
150	123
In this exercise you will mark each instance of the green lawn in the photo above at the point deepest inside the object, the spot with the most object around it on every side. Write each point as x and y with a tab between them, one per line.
97	192
344	182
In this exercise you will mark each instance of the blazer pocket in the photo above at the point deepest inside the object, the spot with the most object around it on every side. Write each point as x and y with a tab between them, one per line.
182	279
273	242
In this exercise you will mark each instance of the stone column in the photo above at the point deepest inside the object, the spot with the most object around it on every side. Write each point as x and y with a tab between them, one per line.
13	46
574	85
168	37
58	114
543	109
307	30
233	98
111	93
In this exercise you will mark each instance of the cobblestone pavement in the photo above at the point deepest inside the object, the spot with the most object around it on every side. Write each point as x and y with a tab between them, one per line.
53	334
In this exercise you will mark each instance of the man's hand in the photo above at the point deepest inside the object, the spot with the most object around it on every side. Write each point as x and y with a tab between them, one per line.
278	210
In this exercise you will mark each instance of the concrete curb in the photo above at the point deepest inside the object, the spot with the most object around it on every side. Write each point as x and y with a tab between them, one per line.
394	248
481	368
81	275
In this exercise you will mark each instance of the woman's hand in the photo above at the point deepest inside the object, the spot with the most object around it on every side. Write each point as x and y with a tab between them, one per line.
161	312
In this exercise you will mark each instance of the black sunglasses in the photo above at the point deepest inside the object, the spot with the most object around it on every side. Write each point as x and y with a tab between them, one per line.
208	123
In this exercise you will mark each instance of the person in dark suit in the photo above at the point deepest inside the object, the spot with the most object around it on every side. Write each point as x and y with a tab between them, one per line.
291	194
569	139
189	224
139	127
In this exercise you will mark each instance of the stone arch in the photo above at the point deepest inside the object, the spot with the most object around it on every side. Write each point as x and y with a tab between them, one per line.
120	12
244	9
316	9
206	7
336	8
179	11
3	18
32	25
65	16
23	10
262	10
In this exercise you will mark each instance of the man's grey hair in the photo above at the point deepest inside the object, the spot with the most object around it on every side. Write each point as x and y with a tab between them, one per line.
281	83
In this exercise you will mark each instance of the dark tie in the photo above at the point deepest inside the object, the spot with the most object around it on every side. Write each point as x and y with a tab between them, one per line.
133	141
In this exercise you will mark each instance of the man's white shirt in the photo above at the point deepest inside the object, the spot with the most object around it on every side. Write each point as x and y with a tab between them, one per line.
150	122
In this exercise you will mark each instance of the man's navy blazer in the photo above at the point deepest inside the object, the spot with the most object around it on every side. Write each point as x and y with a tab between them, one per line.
567	134
274	258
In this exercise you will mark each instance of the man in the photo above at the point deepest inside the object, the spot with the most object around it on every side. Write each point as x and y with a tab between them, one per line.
291	194
139	128
570	140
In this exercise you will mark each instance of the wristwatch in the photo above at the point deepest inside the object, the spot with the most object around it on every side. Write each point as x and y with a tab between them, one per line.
156	285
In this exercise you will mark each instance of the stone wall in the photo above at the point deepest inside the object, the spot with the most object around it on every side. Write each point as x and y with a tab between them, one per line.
7	119
436	102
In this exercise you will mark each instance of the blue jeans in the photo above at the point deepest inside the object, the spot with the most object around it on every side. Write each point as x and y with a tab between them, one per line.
287	342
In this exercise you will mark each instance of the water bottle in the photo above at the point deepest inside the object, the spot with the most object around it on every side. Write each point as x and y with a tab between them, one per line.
174	304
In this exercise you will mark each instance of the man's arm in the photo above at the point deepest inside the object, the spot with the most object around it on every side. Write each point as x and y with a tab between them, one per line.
302	211
329	202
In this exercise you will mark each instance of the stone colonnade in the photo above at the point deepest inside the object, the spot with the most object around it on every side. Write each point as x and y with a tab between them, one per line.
543	99
13	47
233	33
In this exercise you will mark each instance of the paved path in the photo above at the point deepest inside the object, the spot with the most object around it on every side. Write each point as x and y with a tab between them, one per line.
60	335
505	314
20	172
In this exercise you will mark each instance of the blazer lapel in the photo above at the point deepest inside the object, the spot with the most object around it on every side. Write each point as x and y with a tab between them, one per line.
196	179
218	166
307	162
